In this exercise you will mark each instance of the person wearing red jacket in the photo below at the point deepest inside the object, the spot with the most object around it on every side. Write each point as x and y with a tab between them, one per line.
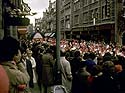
4	81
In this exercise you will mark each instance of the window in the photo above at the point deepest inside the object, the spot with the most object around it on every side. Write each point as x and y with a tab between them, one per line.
76	6
85	2
92	14
76	1
103	12
67	24
62	23
92	1
96	13
76	19
85	17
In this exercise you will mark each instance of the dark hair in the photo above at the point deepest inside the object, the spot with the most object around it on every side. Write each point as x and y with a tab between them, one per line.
49	50
8	48
123	48
62	53
92	55
77	53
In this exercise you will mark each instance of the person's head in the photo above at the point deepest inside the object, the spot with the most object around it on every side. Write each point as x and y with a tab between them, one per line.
29	52
62	53
96	69
24	54
77	53
100	60
92	55
108	67
10	49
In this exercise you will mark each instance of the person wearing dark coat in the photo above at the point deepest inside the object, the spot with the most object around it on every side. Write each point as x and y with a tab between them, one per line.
75	66
28	66
83	74
48	63
106	82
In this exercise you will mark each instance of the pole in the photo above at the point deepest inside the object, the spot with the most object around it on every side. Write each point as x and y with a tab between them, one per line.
58	76
116	20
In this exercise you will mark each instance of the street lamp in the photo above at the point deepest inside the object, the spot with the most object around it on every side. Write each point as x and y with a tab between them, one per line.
116	20
58	76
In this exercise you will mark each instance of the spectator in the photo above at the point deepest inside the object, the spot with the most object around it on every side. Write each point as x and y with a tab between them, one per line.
4	81
106	83
82	76
28	67
10	60
47	70
75	66
66	72
33	62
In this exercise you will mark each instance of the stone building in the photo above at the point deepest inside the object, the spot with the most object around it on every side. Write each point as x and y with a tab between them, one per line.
65	18
49	20
97	20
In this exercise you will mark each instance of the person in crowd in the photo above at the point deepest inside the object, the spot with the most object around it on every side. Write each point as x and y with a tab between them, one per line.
66	72
10	60
119	75
96	71
4	81
122	53
48	63
105	83
38	51
75	66
28	67
100	60
33	62
90	61
82	76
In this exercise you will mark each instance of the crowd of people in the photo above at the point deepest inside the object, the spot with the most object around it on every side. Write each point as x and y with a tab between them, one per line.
85	66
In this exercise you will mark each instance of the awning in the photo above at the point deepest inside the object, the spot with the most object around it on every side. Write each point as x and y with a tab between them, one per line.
37	35
49	34
46	34
52	34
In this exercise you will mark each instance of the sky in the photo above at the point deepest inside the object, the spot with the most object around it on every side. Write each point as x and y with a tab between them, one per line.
37	6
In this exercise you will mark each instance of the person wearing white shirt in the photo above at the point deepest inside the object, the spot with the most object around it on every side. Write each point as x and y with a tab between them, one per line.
33	62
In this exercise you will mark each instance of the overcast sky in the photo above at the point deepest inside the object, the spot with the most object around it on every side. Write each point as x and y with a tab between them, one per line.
37	6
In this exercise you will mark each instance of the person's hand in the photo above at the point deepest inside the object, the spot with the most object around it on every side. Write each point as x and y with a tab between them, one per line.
21	87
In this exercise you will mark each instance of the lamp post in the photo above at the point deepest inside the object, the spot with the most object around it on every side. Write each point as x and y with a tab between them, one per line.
58	76
116	20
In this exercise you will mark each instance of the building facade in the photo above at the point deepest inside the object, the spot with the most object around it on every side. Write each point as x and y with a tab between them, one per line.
12	13
95	19
48	21
65	18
